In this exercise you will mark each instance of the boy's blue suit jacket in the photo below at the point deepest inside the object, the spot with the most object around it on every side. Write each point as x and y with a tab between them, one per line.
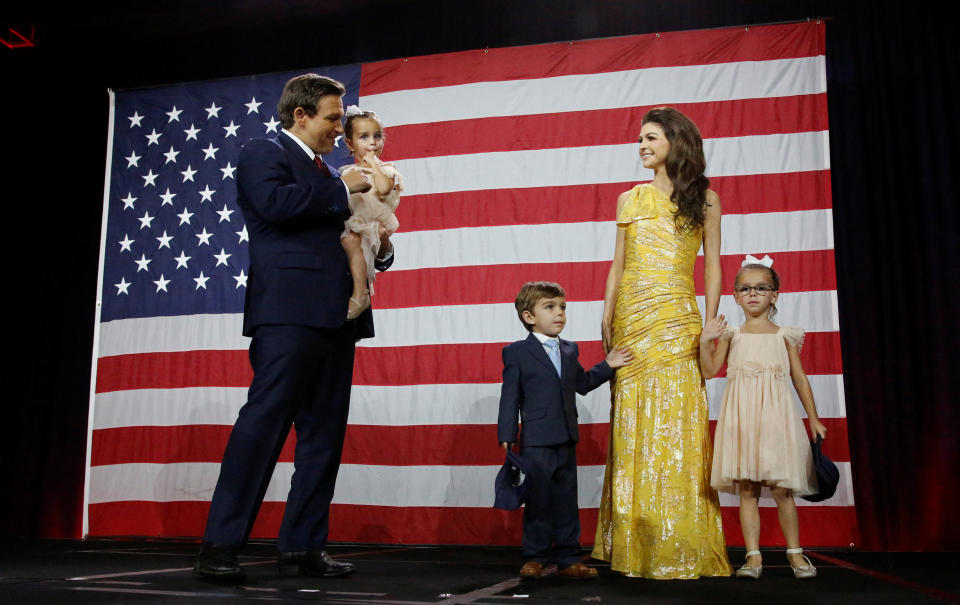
298	270
545	403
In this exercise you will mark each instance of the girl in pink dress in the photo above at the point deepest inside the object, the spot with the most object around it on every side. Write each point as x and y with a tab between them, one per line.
760	439
372	209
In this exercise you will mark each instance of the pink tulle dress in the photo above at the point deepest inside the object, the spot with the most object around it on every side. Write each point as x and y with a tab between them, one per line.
760	434
368	212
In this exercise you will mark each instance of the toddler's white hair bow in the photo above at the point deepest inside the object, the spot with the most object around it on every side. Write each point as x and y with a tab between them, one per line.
352	110
766	261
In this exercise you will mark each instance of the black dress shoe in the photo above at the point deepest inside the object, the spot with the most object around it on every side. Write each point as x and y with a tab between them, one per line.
318	564
219	562
288	562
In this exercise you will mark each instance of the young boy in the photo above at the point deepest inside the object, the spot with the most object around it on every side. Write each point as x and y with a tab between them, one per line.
541	376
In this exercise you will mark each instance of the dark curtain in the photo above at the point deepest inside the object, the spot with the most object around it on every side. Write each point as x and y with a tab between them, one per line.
893	94
892	89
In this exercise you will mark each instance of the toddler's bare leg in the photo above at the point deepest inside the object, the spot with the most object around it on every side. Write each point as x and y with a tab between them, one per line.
360	299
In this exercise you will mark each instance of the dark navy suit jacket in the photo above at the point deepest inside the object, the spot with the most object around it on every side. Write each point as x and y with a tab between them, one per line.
545	403
294	212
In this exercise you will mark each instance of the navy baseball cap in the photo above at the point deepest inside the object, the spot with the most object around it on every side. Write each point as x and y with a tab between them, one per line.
513	483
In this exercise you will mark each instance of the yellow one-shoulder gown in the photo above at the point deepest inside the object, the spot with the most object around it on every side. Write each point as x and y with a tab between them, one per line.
659	517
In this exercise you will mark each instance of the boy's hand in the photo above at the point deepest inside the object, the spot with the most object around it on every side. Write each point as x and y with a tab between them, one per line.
617	358
713	329
506	446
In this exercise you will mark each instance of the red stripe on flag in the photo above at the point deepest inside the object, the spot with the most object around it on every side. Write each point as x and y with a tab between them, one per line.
667	49
488	284
419	445
598	202
819	525
742	117
174	370
473	363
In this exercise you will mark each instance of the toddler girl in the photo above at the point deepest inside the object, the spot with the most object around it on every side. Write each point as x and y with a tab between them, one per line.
372	209
760	440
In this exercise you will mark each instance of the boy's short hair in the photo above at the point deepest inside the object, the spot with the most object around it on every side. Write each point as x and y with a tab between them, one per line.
531	293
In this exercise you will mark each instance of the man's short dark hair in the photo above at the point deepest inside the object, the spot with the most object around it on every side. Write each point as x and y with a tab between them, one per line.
306	91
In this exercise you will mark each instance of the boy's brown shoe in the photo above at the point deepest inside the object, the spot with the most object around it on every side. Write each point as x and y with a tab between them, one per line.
531	569
578	571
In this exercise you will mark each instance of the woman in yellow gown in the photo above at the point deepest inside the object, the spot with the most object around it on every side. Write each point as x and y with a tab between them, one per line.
659	517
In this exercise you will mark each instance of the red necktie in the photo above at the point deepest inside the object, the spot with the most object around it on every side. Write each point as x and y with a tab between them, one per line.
321	165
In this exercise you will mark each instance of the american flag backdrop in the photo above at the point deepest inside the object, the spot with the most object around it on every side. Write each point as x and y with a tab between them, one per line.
513	159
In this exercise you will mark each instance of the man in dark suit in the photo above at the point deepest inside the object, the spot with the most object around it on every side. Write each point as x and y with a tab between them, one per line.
541	377
302	346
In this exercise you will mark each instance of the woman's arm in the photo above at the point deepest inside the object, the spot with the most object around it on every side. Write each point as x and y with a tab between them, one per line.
613	281
712	273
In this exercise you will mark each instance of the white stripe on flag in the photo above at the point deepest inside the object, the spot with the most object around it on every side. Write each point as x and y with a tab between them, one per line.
767	232
731	156
446	324
404	405
629	88
362	484
454	324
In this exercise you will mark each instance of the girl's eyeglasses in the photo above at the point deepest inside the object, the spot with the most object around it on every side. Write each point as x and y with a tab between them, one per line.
762	290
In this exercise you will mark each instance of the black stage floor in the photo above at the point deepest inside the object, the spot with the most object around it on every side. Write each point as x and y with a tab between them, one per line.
102	571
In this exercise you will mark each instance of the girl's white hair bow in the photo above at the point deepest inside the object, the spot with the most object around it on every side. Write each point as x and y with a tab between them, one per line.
766	261
352	110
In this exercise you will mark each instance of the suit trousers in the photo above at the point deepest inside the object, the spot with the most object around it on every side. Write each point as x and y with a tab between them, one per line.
301	376
551	514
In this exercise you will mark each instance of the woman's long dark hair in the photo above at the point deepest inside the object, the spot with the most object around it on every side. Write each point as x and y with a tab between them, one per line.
685	165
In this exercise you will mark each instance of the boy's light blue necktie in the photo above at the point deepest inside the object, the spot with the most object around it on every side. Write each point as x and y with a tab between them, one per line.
554	354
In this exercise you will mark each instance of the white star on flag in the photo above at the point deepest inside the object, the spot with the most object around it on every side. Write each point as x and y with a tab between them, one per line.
207	194
123	285
153	138
213	110
125	243
171	155
228	171
225	214
241	279
201	281
135	119
128	201
272	124
174	114
145	220
149	178
162	283
132	159
143	263
231	129
253	106
210	153
191	132
204	238
182	260
164	240
167	197
222	258
188	173
244	237
185	216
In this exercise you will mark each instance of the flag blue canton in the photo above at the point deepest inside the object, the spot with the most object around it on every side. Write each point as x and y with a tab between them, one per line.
176	241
